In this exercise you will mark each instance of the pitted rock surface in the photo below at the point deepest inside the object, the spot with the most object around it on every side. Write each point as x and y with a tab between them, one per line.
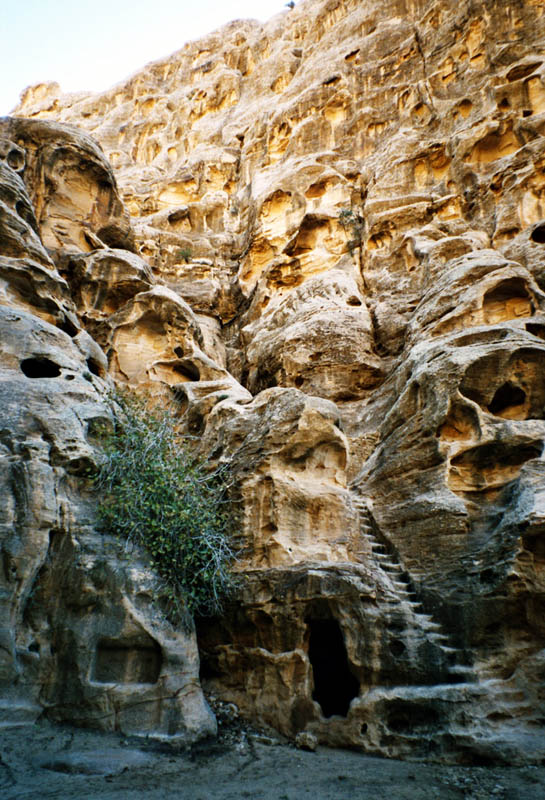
81	638
334	269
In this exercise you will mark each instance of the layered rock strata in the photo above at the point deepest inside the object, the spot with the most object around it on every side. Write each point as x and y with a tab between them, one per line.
343	221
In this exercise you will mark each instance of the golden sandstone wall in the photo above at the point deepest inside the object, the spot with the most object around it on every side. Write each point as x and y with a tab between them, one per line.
336	264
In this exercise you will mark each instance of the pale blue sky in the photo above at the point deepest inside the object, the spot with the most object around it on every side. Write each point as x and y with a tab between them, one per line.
93	45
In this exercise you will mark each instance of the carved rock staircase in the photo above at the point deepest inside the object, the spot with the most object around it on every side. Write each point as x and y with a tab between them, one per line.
479	715
404	597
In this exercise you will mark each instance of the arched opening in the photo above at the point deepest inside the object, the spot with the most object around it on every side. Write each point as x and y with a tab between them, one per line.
334	684
509	395
506	290
538	234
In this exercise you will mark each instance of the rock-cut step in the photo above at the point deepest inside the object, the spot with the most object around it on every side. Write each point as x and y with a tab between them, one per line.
457	672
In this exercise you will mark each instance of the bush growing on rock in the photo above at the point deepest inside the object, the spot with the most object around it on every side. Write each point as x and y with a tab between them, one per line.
156	493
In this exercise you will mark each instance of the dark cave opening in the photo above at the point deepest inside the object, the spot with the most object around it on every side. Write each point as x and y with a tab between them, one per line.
334	684
40	368
94	367
68	327
188	370
538	234
507	396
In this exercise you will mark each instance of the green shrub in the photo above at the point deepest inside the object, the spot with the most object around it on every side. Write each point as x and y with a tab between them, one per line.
185	253
157	494
353	224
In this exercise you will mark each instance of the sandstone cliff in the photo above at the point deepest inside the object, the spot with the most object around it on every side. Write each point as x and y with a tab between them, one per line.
334	263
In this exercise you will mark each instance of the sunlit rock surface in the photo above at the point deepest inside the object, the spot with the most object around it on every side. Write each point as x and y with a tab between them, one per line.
337	274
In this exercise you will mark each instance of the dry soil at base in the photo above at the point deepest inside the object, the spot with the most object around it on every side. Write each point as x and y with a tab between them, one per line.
58	762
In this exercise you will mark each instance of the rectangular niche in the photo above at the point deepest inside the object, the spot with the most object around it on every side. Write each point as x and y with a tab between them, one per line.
126	662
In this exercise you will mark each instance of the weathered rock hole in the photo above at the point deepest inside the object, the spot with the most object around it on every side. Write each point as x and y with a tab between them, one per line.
182	399
104	185
522	71
119	662
397	647
538	234
354	301
94	367
79	466
536	330
68	327
316	190
405	717
487	576
22	210
465	107
299	381
526	112
188	370
40	368
482	337
505	290
535	545
507	396
16	159
308	235
363	729
177	216
195	422
504	104
490	465
497	385
334	685
461	423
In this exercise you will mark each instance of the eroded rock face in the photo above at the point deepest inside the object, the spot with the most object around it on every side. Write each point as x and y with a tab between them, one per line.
343	222
82	636
72	187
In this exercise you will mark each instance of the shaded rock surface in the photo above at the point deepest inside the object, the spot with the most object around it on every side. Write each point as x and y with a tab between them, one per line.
81	638
335	270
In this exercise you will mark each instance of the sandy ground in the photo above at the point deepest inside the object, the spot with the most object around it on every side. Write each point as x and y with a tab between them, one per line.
46	761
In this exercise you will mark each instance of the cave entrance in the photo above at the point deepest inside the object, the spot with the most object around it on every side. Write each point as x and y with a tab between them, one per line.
334	684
